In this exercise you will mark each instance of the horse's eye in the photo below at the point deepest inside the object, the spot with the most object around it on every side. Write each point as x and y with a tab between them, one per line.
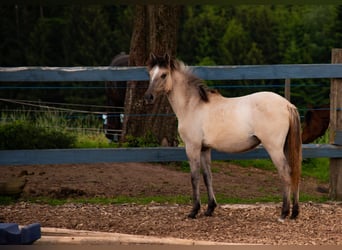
163	76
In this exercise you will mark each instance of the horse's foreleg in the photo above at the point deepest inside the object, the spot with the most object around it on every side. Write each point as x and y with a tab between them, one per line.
195	177
207	176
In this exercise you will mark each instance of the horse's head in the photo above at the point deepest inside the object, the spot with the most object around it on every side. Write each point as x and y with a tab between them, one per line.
159	69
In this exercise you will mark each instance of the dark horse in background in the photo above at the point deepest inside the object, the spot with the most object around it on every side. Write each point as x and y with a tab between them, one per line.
316	122
115	94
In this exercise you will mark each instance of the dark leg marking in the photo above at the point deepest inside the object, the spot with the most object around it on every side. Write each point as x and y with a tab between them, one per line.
295	211
207	177
211	207
196	207
195	196
285	209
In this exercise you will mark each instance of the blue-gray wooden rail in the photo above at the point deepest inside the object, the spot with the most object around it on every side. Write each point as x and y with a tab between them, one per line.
160	154
57	74
248	72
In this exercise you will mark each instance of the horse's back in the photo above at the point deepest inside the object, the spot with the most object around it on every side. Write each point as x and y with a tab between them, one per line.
233	124
268	105
261	105
268	98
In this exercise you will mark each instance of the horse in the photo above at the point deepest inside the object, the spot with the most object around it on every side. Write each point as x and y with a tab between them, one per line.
115	93
208	120
316	123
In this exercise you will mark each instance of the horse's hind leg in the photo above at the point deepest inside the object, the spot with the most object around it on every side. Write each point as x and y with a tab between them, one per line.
295	202
207	176
284	172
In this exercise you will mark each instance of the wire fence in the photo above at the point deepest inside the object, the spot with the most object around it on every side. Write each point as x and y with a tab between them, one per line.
93	78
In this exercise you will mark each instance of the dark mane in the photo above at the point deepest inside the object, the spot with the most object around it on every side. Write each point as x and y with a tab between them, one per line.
195	81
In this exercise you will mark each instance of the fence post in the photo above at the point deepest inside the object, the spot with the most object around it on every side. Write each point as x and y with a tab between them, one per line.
335	128
288	89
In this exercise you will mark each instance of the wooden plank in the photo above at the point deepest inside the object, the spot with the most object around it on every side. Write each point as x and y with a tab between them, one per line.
53	236
164	154
53	74
283	71
58	74
335	126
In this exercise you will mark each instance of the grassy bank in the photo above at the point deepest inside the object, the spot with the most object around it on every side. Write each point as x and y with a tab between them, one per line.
22	129
178	199
316	167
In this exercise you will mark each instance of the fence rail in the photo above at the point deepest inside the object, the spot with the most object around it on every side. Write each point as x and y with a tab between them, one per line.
247	72
160	154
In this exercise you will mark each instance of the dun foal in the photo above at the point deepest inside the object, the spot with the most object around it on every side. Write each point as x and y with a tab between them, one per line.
208	120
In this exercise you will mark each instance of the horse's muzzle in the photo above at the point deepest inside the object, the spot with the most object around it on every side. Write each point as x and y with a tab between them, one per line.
149	99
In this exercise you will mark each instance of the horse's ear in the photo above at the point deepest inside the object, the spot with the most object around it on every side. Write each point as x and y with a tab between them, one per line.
152	60
170	61
167	58
153	57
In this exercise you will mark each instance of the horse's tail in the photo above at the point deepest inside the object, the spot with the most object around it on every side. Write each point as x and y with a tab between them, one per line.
293	147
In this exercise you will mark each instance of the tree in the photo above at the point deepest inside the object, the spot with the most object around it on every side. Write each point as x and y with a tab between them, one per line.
338	28
234	43
155	30
201	33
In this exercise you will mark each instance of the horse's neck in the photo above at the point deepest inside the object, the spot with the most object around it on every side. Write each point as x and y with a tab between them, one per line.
180	97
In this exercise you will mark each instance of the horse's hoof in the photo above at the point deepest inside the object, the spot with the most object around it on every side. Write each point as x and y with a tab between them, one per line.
192	216
294	215
211	207
284	214
295	212
208	214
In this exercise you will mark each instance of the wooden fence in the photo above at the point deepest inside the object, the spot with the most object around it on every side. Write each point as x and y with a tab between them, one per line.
158	154
101	74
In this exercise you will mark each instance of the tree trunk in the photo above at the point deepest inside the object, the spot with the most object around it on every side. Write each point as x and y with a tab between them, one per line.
155	30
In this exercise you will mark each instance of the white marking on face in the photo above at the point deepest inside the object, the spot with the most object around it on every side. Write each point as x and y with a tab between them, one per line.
155	72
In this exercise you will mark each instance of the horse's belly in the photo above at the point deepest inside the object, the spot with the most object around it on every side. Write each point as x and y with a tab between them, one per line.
232	144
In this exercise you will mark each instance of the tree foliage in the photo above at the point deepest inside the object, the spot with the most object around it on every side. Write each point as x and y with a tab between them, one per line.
243	35
88	35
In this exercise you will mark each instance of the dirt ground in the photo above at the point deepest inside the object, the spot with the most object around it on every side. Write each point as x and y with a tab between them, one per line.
252	224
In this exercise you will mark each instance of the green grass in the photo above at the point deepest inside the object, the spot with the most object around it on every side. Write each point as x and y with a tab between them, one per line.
93	140
7	200
223	199
263	164
178	199
316	167
86	130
